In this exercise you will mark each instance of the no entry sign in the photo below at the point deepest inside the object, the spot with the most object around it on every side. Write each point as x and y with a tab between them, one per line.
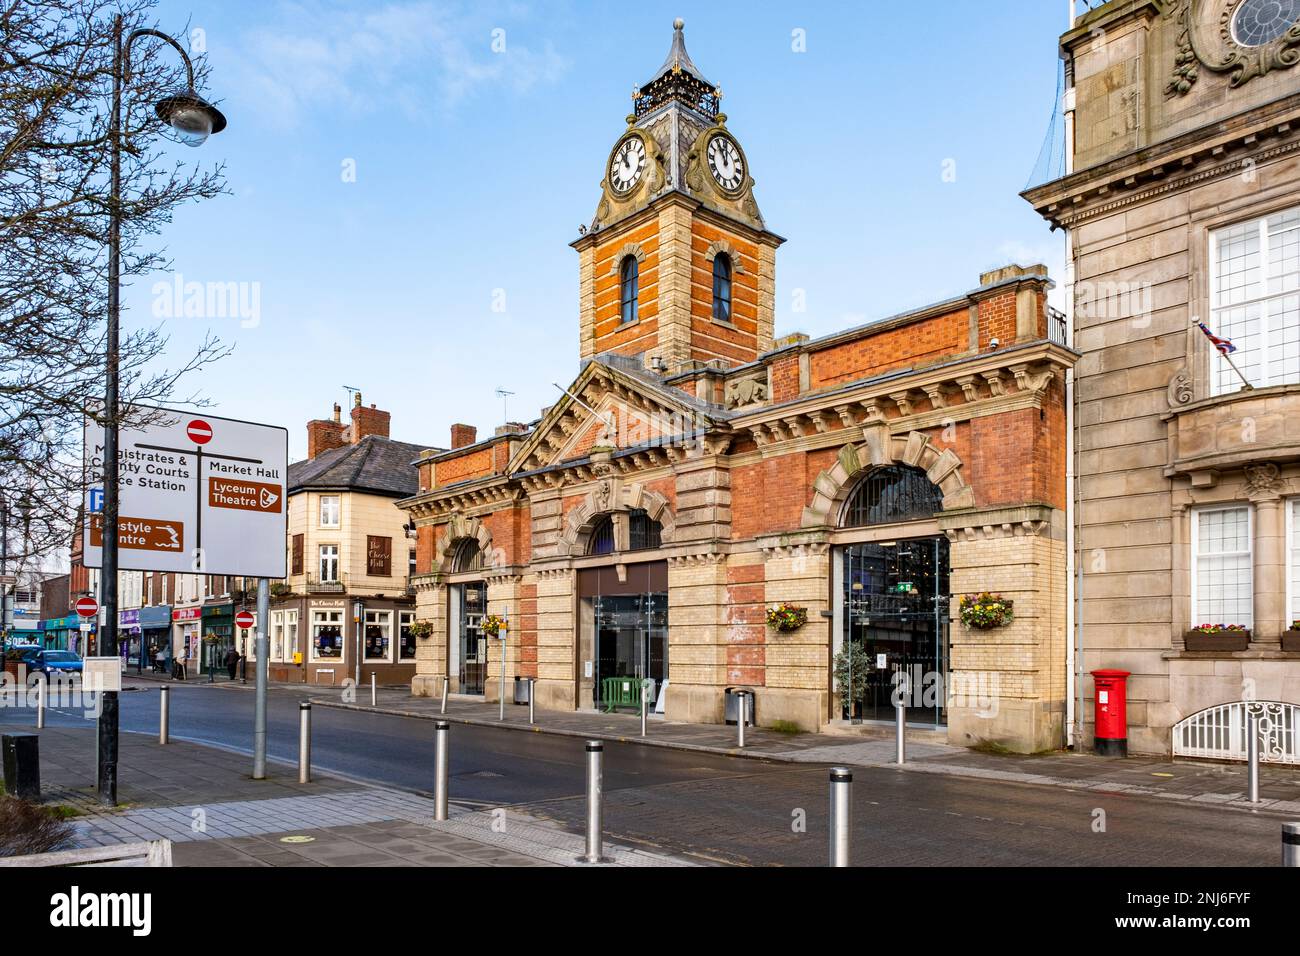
196	495
245	619
199	431
87	607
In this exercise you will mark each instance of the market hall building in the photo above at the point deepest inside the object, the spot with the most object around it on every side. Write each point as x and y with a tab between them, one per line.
699	473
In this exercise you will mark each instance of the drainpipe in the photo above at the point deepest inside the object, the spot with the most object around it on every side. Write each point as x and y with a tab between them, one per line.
1073	553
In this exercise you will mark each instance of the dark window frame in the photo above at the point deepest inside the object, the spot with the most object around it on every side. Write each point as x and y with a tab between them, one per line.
601	540
629	287
889	495
723	272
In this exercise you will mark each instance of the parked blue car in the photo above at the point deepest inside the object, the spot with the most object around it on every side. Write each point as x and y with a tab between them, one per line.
50	663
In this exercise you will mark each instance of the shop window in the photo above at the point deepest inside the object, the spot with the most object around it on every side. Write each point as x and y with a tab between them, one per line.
1255	301
405	639
722	287
643	531
378	635
628	287
1222	591
326	635
888	495
602	536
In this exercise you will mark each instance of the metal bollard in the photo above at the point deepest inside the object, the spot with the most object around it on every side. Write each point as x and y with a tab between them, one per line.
42	685
645	693
164	714
595	847
900	730
841	814
532	686
1252	757
742	717
446	683
1291	844
440	731
304	742
372	688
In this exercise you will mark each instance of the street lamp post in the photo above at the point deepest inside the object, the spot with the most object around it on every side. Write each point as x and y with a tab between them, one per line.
193	119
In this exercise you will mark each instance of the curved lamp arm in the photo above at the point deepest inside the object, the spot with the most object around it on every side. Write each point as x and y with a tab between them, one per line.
136	34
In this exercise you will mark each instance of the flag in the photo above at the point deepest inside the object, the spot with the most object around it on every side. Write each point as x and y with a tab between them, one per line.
1223	345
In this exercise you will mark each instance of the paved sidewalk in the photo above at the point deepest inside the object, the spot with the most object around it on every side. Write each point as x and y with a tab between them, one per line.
204	800
872	746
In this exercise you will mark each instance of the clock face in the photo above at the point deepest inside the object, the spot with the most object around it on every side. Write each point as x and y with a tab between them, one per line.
1258	22
626	166
726	163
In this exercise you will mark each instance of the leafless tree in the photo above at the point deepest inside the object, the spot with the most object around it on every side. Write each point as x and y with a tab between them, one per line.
56	76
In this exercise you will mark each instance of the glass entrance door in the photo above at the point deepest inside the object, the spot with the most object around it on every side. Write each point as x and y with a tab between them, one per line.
631	645
473	643
896	613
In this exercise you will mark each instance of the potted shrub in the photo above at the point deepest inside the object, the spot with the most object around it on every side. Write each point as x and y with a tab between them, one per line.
985	611
787	617
1291	638
1217	637
853	668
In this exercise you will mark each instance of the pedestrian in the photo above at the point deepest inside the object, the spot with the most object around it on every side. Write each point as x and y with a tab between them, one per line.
232	662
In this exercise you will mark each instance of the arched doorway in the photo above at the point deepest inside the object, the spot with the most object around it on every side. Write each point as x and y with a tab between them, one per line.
894	597
468	603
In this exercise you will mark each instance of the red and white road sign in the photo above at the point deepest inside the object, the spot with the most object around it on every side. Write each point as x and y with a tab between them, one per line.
199	431
245	619
87	607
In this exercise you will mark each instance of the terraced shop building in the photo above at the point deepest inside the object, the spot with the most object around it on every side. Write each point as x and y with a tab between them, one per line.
698	473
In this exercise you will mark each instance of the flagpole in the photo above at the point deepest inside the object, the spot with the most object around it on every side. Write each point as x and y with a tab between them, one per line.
1245	385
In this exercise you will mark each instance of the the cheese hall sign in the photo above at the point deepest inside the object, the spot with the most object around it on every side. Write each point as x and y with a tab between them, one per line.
244	495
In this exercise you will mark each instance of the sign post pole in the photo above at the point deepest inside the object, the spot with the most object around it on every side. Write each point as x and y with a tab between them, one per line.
259	705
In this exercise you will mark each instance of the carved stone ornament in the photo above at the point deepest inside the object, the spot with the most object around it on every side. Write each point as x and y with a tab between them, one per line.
1180	388
1265	479
746	391
1206	39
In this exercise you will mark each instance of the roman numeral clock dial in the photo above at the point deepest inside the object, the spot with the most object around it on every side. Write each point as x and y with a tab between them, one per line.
627	164
726	163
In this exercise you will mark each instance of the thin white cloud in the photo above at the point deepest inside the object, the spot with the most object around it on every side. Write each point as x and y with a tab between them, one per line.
419	56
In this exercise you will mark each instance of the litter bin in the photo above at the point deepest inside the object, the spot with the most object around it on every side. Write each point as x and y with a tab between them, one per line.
22	765
732	705
521	690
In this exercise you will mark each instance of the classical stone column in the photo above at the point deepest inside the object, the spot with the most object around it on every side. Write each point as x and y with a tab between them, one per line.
1270	569
503	601
557	655
431	650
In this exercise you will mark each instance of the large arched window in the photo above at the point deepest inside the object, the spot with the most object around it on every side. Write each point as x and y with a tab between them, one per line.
642	531
602	536
896	493
467	556
628	278
722	287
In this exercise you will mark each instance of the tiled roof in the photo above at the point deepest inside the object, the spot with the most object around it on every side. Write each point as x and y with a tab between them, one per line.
373	464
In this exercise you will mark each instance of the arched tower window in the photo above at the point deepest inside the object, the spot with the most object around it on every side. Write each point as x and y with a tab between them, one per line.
896	493
722	287
467	556
642	531
628	278
602	536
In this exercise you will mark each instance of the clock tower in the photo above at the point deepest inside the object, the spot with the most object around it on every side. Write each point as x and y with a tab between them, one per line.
677	266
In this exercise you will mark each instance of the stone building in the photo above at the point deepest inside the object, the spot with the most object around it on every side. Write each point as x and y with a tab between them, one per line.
698	473
1181	201
346	609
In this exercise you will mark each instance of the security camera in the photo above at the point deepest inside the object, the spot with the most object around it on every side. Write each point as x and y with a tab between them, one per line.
993	343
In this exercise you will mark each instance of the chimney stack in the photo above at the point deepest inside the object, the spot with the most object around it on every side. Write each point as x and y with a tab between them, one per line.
324	434
368	421
462	435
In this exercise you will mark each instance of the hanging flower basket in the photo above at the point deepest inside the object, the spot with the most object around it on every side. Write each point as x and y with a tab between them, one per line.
787	617
1217	637
422	629
492	625
985	611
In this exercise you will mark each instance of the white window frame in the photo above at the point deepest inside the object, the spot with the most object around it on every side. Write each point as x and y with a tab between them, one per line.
383	618
1292	566
337	511
320	564
1195	558
1223	380
328	618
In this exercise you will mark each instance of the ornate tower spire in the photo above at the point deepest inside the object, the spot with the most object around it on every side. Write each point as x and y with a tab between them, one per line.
679	80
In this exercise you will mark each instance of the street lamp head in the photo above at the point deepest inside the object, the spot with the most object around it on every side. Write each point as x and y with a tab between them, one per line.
191	118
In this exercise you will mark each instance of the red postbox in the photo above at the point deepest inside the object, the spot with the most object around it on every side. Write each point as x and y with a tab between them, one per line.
1110	695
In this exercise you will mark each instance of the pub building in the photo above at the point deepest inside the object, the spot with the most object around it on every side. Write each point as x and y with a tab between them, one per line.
700	473
345	609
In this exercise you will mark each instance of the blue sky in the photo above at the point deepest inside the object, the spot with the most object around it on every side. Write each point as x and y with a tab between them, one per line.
474	168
